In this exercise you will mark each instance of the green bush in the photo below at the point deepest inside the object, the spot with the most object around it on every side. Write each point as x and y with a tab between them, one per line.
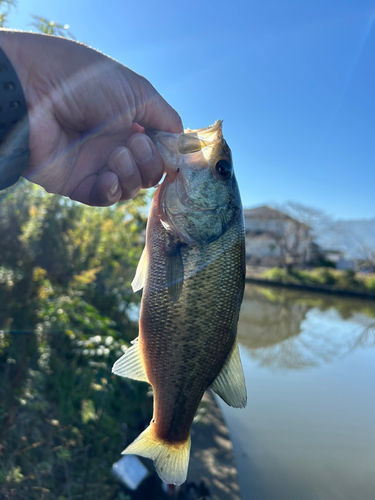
275	274
66	309
343	280
370	284
324	276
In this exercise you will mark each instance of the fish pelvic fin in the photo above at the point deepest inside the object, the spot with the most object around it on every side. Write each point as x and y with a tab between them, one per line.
130	365
171	461
230	383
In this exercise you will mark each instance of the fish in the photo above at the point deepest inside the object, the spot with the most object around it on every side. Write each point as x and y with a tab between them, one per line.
192	271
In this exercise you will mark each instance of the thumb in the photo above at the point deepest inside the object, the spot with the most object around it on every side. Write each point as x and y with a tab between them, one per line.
152	110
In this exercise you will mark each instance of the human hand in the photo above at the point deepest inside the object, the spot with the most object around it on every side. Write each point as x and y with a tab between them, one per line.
86	114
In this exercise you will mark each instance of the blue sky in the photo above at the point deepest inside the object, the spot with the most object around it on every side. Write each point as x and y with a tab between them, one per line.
294	82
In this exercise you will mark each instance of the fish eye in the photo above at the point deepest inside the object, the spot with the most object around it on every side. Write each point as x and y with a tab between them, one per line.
223	170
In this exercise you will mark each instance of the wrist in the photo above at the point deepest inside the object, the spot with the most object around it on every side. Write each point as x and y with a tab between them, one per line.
13	44
14	124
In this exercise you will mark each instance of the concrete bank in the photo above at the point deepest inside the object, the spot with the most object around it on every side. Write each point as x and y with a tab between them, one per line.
212	460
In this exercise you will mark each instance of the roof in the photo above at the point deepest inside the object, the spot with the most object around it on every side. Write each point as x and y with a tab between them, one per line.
268	213
265	212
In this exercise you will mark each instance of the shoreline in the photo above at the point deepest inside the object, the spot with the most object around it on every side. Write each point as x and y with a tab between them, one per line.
212	459
327	289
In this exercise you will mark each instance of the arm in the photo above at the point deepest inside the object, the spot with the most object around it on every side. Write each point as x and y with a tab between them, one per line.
87	115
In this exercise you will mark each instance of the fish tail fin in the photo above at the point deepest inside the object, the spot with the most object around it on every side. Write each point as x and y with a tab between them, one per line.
171	460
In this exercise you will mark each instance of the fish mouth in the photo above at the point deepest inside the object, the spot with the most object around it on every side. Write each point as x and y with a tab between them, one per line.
197	144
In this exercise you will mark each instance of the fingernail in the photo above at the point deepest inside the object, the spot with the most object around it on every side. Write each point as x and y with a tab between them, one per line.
124	163
113	190
142	149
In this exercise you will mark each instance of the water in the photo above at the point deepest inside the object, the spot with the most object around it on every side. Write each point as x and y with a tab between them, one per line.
308	432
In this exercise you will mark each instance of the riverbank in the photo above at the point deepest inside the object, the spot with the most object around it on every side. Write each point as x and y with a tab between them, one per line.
322	280
212	459
308	429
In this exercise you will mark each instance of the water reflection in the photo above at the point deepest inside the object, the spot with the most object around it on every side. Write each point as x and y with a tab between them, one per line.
308	432
292	330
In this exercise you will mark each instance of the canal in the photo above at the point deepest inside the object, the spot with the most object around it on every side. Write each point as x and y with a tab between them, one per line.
308	431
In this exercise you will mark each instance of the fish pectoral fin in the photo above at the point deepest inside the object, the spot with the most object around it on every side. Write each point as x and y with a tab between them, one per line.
230	383
171	460
175	273
140	274
130	365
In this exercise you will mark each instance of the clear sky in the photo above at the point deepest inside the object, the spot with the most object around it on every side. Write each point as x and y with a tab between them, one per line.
293	80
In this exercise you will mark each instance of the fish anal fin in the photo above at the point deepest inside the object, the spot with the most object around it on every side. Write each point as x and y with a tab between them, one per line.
140	274
175	273
171	460
230	383
130	365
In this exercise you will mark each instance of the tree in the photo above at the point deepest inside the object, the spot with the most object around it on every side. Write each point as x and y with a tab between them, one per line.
5	6
316	219
40	23
65	316
366	255
296	230
51	27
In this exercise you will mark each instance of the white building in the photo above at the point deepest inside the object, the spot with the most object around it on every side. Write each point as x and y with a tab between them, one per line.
338	258
275	238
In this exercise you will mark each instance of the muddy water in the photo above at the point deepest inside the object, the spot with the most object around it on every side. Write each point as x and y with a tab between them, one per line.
308	432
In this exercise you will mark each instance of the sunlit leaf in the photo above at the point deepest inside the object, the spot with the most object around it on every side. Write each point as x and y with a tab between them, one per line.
88	411
51	27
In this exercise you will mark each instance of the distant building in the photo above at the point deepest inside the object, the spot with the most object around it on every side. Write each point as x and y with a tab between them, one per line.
274	238
337	257
346	264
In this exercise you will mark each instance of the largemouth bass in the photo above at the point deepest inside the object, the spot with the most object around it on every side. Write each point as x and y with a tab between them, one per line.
192	272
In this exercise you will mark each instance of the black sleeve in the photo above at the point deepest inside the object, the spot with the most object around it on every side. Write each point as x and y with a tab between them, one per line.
14	125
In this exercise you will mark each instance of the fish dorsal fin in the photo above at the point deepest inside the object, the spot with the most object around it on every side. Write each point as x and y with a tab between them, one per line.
213	133
230	383
140	274
175	273
130	365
